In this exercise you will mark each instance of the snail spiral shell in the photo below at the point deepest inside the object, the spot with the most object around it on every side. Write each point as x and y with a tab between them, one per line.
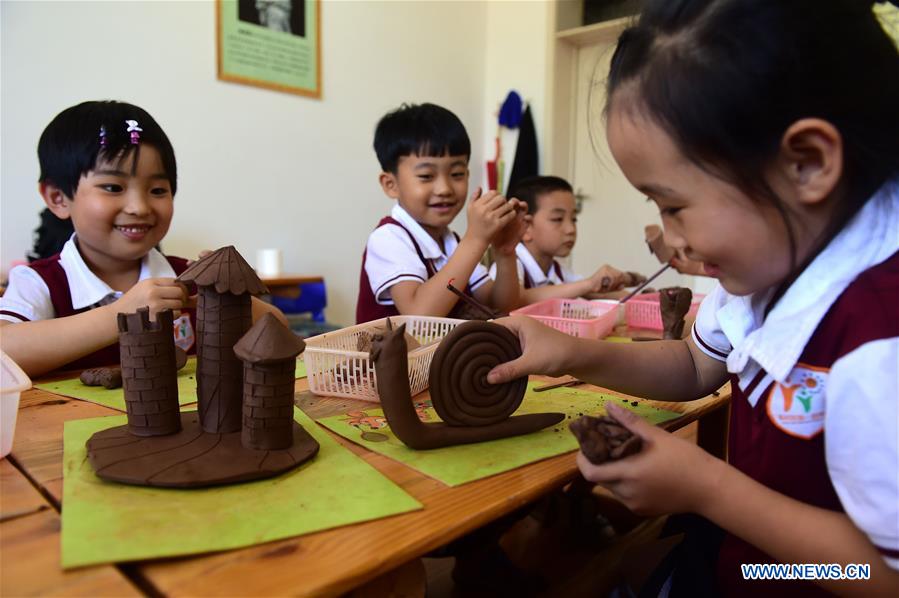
460	392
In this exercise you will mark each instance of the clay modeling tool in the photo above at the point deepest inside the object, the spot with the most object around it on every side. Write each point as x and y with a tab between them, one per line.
559	385
474	303
644	284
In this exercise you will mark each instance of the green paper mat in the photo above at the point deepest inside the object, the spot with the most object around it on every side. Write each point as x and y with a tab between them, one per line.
115	398
458	465
108	522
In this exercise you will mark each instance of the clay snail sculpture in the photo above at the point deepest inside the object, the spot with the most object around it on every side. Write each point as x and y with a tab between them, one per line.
472	409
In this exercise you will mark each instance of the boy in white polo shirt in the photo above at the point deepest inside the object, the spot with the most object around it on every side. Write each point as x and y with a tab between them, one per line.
550	233
412	255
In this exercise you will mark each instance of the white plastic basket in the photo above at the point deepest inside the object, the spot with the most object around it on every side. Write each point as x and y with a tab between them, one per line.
335	367
12	382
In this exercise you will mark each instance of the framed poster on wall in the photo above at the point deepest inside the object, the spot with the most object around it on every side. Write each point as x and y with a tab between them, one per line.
274	44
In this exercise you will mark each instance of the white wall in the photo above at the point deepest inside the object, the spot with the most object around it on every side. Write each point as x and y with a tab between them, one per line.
516	58
257	168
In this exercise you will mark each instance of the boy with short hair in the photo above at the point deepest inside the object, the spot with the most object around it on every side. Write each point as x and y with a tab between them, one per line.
551	232
412	255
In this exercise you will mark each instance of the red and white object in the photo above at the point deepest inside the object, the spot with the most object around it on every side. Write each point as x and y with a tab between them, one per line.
577	317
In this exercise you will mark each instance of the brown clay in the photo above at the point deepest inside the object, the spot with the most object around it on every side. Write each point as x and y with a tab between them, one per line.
674	303
149	377
191	458
363	343
269	352
161	446
604	439
105	377
471	409
225	282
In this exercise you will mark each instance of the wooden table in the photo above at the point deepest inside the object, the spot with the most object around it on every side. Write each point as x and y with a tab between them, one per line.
326	563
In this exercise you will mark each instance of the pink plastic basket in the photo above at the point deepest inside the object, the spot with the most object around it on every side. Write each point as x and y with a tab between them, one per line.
577	317
643	311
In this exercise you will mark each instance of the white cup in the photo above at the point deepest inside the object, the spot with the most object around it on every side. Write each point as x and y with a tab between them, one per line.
268	262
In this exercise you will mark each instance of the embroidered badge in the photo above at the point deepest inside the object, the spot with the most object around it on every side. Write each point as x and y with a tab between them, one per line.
797	407
184	332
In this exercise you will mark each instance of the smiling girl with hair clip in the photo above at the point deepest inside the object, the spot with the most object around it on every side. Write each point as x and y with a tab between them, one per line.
109	168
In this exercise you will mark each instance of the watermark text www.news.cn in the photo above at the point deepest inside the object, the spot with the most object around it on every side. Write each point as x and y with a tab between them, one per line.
806	571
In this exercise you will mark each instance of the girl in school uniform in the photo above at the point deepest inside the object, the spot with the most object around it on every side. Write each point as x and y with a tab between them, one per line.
109	168
767	133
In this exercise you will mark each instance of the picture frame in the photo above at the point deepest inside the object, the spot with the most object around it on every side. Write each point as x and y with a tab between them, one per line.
274	44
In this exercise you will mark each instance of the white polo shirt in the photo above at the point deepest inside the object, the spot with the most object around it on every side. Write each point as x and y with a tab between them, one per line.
391	256
851	394
558	274
27	297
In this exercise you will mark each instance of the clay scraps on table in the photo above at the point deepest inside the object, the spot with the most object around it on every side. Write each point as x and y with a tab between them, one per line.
110	377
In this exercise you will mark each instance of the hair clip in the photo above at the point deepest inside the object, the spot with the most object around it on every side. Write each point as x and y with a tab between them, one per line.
102	136
135	131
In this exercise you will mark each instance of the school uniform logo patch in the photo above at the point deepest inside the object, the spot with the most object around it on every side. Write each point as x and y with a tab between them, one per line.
797	407
184	332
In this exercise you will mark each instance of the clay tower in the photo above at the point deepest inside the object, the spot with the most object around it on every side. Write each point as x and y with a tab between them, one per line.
149	375
225	284
269	352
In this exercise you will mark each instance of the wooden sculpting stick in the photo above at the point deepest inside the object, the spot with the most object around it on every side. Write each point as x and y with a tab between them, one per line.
643	285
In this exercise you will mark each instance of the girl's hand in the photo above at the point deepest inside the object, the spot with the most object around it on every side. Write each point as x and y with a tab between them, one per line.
543	350
507	238
159	294
668	475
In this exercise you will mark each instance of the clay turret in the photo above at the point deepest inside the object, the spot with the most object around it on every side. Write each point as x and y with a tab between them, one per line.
225	284
149	375
269	352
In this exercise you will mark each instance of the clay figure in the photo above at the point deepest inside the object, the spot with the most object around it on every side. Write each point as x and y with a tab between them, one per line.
225	284
269	352
160	446
472	410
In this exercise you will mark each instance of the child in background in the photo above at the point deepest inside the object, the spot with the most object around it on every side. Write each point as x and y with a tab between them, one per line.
774	161
550	233
110	168
412	255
